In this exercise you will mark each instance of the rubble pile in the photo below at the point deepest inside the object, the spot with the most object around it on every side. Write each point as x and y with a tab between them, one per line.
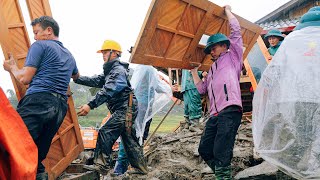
175	155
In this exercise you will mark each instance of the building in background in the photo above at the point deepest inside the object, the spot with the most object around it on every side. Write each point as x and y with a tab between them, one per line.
286	17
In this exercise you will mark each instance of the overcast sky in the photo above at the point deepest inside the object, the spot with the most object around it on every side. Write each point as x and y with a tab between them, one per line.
84	26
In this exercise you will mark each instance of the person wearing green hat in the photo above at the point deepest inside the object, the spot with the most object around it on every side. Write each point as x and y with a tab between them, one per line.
311	18
191	98
274	38
222	84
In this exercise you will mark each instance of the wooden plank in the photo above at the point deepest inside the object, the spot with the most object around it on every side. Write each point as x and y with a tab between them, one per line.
67	143
38	8
172	30
13	37
250	73
264	49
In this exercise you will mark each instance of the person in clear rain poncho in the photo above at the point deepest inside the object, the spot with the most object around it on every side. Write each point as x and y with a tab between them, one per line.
152	94
286	105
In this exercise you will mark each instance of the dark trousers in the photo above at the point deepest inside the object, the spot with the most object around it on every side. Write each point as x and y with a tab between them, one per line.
109	133
122	157
43	113
217	142
146	130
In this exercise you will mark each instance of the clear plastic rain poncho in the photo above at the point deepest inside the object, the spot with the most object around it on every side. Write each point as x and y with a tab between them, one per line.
286	106
152	94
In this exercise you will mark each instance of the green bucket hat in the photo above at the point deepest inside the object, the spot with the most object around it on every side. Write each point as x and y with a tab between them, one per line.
274	32
311	18
214	39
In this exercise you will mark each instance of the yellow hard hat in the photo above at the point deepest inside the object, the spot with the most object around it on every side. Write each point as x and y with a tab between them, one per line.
110	45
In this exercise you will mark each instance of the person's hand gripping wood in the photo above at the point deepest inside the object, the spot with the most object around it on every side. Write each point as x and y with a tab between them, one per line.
84	110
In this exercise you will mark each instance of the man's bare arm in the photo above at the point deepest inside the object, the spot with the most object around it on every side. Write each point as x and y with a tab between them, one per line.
23	75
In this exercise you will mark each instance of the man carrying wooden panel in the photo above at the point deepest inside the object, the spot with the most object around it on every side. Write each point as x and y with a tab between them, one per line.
223	87
47	70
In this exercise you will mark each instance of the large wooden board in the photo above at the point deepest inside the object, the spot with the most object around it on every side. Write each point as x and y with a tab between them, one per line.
171	33
67	143
14	37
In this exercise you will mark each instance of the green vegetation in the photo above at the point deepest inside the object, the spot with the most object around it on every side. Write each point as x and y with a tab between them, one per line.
169	124
81	95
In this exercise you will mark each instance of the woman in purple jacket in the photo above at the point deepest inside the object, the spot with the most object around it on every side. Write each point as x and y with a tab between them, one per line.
223	87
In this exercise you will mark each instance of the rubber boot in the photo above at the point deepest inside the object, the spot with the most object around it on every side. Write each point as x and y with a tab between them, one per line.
223	173
211	164
194	122
187	124
194	127
120	168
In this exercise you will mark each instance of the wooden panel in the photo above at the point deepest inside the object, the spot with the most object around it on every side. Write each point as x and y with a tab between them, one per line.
172	30
38	8
67	143
178	47
14	37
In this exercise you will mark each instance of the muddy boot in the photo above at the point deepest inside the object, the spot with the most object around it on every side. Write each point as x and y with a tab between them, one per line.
188	123
211	164
194	122
186	126
42	176
194	127
141	169
120	168
223	173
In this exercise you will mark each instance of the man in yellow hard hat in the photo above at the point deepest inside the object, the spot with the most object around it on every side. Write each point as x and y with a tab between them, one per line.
117	93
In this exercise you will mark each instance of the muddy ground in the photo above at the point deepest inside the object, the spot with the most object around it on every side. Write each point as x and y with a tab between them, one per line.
175	155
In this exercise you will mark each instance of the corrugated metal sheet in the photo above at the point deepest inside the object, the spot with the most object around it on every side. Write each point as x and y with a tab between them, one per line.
281	23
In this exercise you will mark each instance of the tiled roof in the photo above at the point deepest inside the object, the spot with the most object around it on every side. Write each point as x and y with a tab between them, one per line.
278	24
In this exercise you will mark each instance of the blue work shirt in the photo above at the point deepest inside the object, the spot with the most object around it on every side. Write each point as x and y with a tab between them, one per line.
55	65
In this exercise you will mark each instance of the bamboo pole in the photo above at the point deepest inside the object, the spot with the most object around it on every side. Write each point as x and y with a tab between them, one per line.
154	132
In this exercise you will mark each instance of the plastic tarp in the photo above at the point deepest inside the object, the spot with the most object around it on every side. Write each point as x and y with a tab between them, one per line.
152	94
286	106
18	152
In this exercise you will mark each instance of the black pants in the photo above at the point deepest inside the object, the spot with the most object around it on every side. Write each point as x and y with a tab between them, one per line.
146	130
109	133
43	113
217	142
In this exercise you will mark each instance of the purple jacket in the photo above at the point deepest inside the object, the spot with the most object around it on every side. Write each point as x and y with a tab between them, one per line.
223	80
